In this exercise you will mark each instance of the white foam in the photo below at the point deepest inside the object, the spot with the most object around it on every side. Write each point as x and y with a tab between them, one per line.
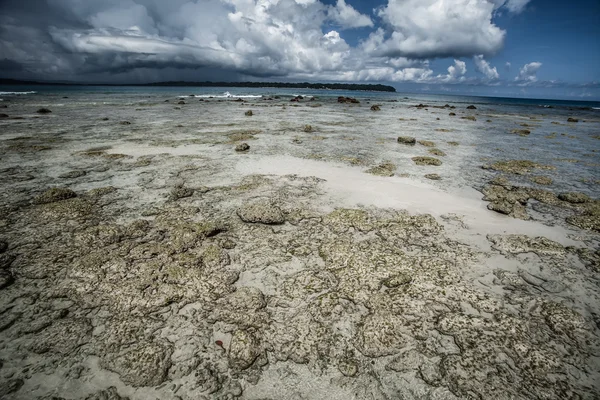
7	93
225	95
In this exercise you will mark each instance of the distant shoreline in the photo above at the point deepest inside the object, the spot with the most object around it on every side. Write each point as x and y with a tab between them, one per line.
281	85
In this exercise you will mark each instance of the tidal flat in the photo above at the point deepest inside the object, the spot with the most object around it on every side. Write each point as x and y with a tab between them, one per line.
183	247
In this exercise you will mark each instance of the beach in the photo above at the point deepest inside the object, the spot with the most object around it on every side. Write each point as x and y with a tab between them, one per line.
400	246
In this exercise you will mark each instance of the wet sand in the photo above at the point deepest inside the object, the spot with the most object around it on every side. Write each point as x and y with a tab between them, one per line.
169	265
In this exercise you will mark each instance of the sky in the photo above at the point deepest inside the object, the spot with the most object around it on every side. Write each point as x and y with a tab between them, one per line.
513	48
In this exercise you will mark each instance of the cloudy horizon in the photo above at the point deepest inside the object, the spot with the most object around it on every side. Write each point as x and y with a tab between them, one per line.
503	47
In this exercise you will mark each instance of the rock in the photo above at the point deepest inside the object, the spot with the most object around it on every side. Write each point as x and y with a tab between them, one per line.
541	180
433	177
411	141
6	260
375	108
124	123
453	143
2	115
423	160
437	152
142	364
248	113
243	350
108	394
452	114
401	278
348	367
10	386
72	175
308	128
518	244
3	246
6	278
572	120
469	117
261	211
242	147
180	192
574	197
521	132
471	107
55	194
181	102
342	99
518	167
426	143
44	111
384	169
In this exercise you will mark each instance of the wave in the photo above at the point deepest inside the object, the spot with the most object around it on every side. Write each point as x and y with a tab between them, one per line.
596	108
6	93
225	95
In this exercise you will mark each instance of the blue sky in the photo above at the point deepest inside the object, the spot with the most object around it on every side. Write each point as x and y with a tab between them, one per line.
529	48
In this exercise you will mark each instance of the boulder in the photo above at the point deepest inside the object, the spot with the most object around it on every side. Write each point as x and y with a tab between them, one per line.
408	140
53	195
572	120
242	147
574	197
248	113
181	102
423	160
346	100
471	107
375	108
44	111
452	114
2	115
262	212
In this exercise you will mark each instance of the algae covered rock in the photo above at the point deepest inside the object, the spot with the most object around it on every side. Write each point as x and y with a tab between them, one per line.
142	364
426	143
248	113
409	140
574	197
55	194
375	108
518	167
261	211
423	160
384	169
433	177
541	180
243	349
108	394
437	152
242	147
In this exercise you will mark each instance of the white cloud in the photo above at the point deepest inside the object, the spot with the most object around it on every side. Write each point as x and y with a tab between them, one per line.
347	16
507	66
437	28
485	68
527	73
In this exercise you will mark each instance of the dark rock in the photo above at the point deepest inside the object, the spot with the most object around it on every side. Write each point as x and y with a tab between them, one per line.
434	177
572	120
181	102
521	132
384	169
470	118
411	141
53	195
6	260
6	278
10	386
471	107
574	197
3	115
375	108
346	100
261	211
3	246
248	113
452	114
242	147
73	175
422	106
125	123
44	111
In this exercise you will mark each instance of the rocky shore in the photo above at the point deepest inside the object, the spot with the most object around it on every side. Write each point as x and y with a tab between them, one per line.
268	249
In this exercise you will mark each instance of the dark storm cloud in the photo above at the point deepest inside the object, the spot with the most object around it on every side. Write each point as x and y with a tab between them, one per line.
108	39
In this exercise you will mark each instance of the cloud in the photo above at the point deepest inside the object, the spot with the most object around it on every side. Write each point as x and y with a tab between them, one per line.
437	28
347	16
527	73
507	66
484	67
